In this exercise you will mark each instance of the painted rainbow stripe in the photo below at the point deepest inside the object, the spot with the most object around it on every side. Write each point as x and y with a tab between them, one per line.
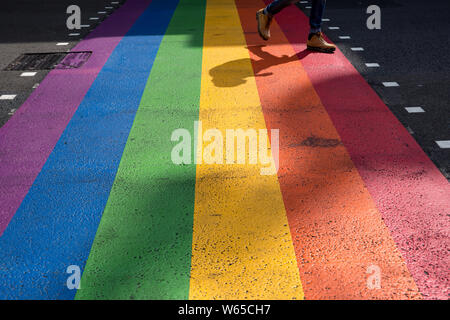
102	192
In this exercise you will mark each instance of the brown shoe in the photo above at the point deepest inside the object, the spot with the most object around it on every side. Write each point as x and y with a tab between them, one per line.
264	21
316	42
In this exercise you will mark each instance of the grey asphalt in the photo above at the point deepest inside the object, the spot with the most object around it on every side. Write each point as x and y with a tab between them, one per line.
412	49
35	26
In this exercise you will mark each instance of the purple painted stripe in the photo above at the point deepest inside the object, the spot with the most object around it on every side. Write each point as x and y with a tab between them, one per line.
29	137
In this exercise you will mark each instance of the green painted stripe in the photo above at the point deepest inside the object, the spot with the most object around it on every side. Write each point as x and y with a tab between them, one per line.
142	249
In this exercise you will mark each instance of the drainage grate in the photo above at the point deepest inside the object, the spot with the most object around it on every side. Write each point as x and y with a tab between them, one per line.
48	61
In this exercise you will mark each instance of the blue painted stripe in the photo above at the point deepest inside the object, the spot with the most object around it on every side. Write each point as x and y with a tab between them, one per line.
57	221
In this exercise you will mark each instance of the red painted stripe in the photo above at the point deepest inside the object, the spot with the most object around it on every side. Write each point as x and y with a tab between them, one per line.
337	231
410	192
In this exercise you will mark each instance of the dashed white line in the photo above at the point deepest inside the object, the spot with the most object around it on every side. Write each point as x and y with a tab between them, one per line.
372	65
357	49
101	12
334	28
7	96
35	85
303	1
115	2
62	43
93	18
325	19
74	34
344	37
85	25
109	8
414	109
28	74
308	7
443	144
391	84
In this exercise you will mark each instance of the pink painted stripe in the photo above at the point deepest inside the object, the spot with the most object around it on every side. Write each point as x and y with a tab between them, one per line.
410	192
29	137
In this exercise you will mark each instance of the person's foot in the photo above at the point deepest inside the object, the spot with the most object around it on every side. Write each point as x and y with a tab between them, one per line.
316	42
264	21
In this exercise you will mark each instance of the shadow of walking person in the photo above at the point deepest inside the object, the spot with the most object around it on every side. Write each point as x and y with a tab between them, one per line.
236	72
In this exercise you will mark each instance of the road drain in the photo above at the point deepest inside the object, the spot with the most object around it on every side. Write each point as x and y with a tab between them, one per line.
48	61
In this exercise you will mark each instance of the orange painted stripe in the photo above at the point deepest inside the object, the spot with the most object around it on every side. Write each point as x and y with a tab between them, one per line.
338	233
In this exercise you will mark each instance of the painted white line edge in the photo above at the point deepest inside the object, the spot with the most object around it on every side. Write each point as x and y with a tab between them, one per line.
443	144
7	96
28	74
391	84
414	109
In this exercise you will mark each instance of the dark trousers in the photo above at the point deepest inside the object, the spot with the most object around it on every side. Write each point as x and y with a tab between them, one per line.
315	17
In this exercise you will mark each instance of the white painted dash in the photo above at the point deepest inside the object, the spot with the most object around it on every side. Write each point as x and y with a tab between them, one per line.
93	18
372	65
85	25
391	84
334	28
28	74
344	37
414	109
443	144
74	34
308	7
7	96
62	43
101	12
325	19
357	49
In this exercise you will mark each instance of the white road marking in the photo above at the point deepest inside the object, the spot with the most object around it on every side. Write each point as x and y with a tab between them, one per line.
85	25
35	85
73	34
28	74
101	12
334	28
414	109
8	96
391	84
357	49
303	1
443	144
308	7
325	19
62	43
93	18
109	7
344	37
372	65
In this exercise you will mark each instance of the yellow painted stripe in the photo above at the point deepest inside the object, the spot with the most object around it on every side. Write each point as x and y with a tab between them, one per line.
242	247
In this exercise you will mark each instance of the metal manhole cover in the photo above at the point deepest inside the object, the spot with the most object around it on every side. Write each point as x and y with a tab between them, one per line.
48	61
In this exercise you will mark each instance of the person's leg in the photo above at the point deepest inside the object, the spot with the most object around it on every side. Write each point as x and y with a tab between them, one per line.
315	17
274	7
316	41
264	16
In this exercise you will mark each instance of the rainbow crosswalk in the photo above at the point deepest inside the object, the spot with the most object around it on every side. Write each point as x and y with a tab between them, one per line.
93	184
